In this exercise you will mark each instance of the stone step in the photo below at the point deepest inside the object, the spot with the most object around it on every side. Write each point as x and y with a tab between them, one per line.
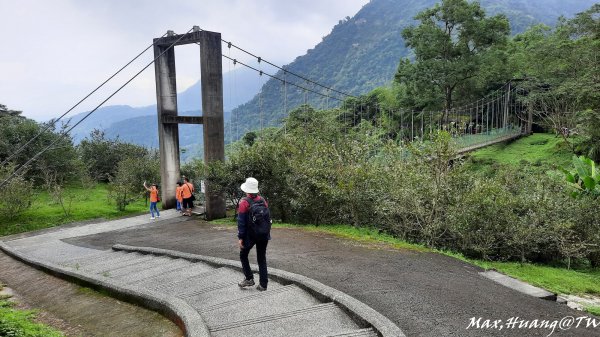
111	267
141	266
56	251
230	292
197	284
155	271
177	276
254	304
100	255
368	332
110	260
204	287
317	320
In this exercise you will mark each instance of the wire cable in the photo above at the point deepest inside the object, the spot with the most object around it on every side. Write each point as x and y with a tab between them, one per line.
64	133
260	59
287	71
281	80
54	121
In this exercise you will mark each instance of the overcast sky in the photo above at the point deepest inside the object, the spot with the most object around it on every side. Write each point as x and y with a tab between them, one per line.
55	51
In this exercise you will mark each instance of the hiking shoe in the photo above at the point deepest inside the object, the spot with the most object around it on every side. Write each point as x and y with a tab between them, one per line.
152	218
260	288
158	216
246	283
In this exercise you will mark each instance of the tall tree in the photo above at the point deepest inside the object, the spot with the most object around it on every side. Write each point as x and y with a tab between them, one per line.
5	112
101	155
16	130
449	46
561	69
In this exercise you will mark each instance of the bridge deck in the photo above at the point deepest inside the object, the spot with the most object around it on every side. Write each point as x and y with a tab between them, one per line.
474	147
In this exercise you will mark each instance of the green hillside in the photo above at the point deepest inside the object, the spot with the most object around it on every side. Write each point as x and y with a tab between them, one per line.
537	149
362	53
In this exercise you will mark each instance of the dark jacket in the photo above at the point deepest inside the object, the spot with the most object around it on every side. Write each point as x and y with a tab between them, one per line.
243	217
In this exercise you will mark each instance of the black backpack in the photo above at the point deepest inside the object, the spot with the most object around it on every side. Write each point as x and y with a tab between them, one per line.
259	219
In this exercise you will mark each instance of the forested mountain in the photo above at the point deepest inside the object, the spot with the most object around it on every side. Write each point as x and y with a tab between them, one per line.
360	54
363	52
115	119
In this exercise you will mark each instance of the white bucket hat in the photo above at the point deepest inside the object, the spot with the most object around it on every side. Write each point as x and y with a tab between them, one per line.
250	186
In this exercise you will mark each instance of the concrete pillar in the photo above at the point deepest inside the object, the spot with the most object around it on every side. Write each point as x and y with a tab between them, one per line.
168	133
212	111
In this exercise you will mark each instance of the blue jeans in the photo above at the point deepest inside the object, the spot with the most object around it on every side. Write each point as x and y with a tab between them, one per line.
261	257
178	205
153	208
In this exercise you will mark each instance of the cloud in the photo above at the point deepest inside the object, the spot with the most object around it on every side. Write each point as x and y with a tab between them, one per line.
55	52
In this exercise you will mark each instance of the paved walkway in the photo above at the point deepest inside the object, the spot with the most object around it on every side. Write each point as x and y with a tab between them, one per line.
201	291
78	311
425	294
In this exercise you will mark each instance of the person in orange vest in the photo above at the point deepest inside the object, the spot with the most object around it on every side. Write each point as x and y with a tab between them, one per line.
188	196
179	196
153	200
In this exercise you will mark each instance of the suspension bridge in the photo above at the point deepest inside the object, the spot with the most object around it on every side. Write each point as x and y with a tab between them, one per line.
497	117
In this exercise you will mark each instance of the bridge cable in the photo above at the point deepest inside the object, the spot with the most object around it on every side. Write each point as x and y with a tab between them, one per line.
231	44
287	71
64	133
53	121
281	80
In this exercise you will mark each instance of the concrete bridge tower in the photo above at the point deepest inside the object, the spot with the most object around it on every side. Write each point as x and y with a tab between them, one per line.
168	118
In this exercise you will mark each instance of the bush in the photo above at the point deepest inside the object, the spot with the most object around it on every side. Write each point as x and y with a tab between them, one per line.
16	196
101	155
127	184
316	171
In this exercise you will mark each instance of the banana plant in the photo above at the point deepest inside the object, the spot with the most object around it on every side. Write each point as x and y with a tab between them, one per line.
584	177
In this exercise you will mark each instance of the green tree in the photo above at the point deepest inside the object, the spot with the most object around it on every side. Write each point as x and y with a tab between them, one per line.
5	112
101	155
450	46
127	184
16	196
560	68
59	160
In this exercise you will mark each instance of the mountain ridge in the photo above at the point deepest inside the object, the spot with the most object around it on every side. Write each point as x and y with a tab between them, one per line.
359	54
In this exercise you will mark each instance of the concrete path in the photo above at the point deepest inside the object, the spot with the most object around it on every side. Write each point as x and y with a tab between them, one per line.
200	292
425	294
78	311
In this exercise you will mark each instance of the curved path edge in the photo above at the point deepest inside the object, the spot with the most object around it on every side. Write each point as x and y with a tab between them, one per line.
176	310
359	311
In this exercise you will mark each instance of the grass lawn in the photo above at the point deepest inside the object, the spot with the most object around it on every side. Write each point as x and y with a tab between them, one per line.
87	204
558	280
21	323
593	310
537	149
15	322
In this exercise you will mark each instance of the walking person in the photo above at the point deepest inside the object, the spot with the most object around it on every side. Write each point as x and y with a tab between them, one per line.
179	196
153	200
188	196
254	228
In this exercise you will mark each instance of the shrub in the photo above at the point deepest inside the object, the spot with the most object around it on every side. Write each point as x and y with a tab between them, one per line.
316	171
127	184
16	196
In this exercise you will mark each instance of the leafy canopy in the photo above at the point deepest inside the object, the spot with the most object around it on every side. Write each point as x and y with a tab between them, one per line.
449	46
